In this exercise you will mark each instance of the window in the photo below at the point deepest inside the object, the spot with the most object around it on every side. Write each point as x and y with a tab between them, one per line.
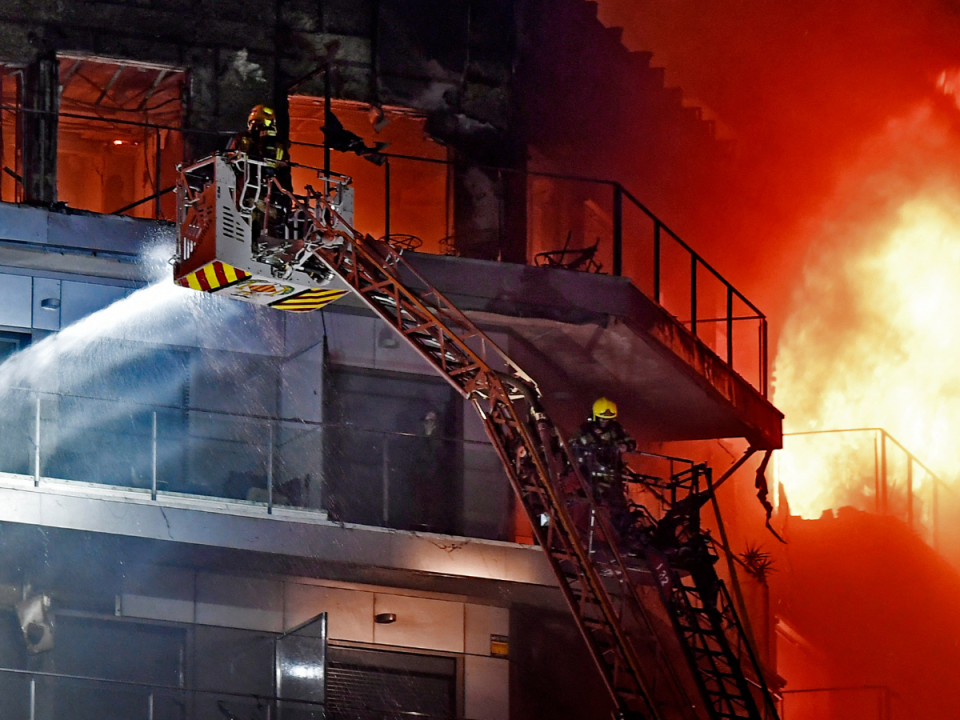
419	202
119	140
112	650
393	451
12	342
10	187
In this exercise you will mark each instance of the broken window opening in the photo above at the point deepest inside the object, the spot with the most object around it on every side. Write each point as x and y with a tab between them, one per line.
119	138
420	205
11	185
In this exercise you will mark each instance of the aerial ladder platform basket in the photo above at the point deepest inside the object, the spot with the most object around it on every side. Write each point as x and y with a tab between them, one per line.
235	221
243	234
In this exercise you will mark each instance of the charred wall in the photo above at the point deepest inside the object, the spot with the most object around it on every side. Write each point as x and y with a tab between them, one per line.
437	57
590	107
449	60
497	80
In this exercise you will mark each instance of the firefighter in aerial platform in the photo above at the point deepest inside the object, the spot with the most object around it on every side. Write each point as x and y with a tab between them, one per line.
260	142
599	447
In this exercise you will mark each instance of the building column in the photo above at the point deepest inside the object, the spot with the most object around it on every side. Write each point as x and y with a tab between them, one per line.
489	213
41	103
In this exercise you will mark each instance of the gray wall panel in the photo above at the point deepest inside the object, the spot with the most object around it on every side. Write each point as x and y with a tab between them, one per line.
79	299
350	612
241	327
482	621
240	602
16	300
420	623
352	339
301	379
159	593
24	224
486	688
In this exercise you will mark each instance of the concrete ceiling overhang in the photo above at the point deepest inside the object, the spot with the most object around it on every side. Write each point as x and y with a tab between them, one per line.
582	335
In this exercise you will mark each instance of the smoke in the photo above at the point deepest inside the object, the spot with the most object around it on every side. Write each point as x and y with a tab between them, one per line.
838	211
872	338
798	88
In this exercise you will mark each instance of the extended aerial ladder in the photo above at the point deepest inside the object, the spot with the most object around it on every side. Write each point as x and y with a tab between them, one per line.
243	234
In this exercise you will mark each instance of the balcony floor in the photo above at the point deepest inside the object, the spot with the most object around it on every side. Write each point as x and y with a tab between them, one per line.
583	335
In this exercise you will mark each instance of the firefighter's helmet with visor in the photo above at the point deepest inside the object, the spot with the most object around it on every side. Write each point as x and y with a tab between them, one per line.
261	117
604	409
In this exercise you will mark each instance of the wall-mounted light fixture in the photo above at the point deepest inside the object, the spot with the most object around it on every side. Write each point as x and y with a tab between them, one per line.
385	618
387	338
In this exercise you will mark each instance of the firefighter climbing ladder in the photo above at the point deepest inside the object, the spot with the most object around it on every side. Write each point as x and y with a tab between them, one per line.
599	583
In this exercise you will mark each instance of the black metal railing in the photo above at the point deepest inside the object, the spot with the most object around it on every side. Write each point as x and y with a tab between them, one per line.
262	463
577	222
881	476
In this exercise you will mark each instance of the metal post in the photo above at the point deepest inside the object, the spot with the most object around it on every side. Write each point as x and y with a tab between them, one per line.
33	698
270	471
327	117
876	475
156	175
150	706
593	520
656	260
153	467
764	359
386	199
386	481
693	294
730	325
2	144
910	492
883	472
19	118
36	447
617	230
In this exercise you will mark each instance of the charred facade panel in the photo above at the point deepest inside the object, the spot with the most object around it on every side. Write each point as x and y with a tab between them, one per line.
588	106
450	61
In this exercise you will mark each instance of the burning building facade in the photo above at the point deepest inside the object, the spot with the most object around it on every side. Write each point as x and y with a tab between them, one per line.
189	481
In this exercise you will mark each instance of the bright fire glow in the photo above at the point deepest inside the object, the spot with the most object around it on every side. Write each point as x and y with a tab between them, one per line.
874	337
949	84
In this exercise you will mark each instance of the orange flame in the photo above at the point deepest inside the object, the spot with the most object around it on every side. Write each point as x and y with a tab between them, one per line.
874	337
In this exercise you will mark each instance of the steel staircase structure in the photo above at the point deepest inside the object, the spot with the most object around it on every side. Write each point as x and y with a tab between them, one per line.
702	613
599	580
706	627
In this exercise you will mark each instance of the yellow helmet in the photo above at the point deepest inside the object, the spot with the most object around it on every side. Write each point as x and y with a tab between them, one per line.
604	409
261	116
